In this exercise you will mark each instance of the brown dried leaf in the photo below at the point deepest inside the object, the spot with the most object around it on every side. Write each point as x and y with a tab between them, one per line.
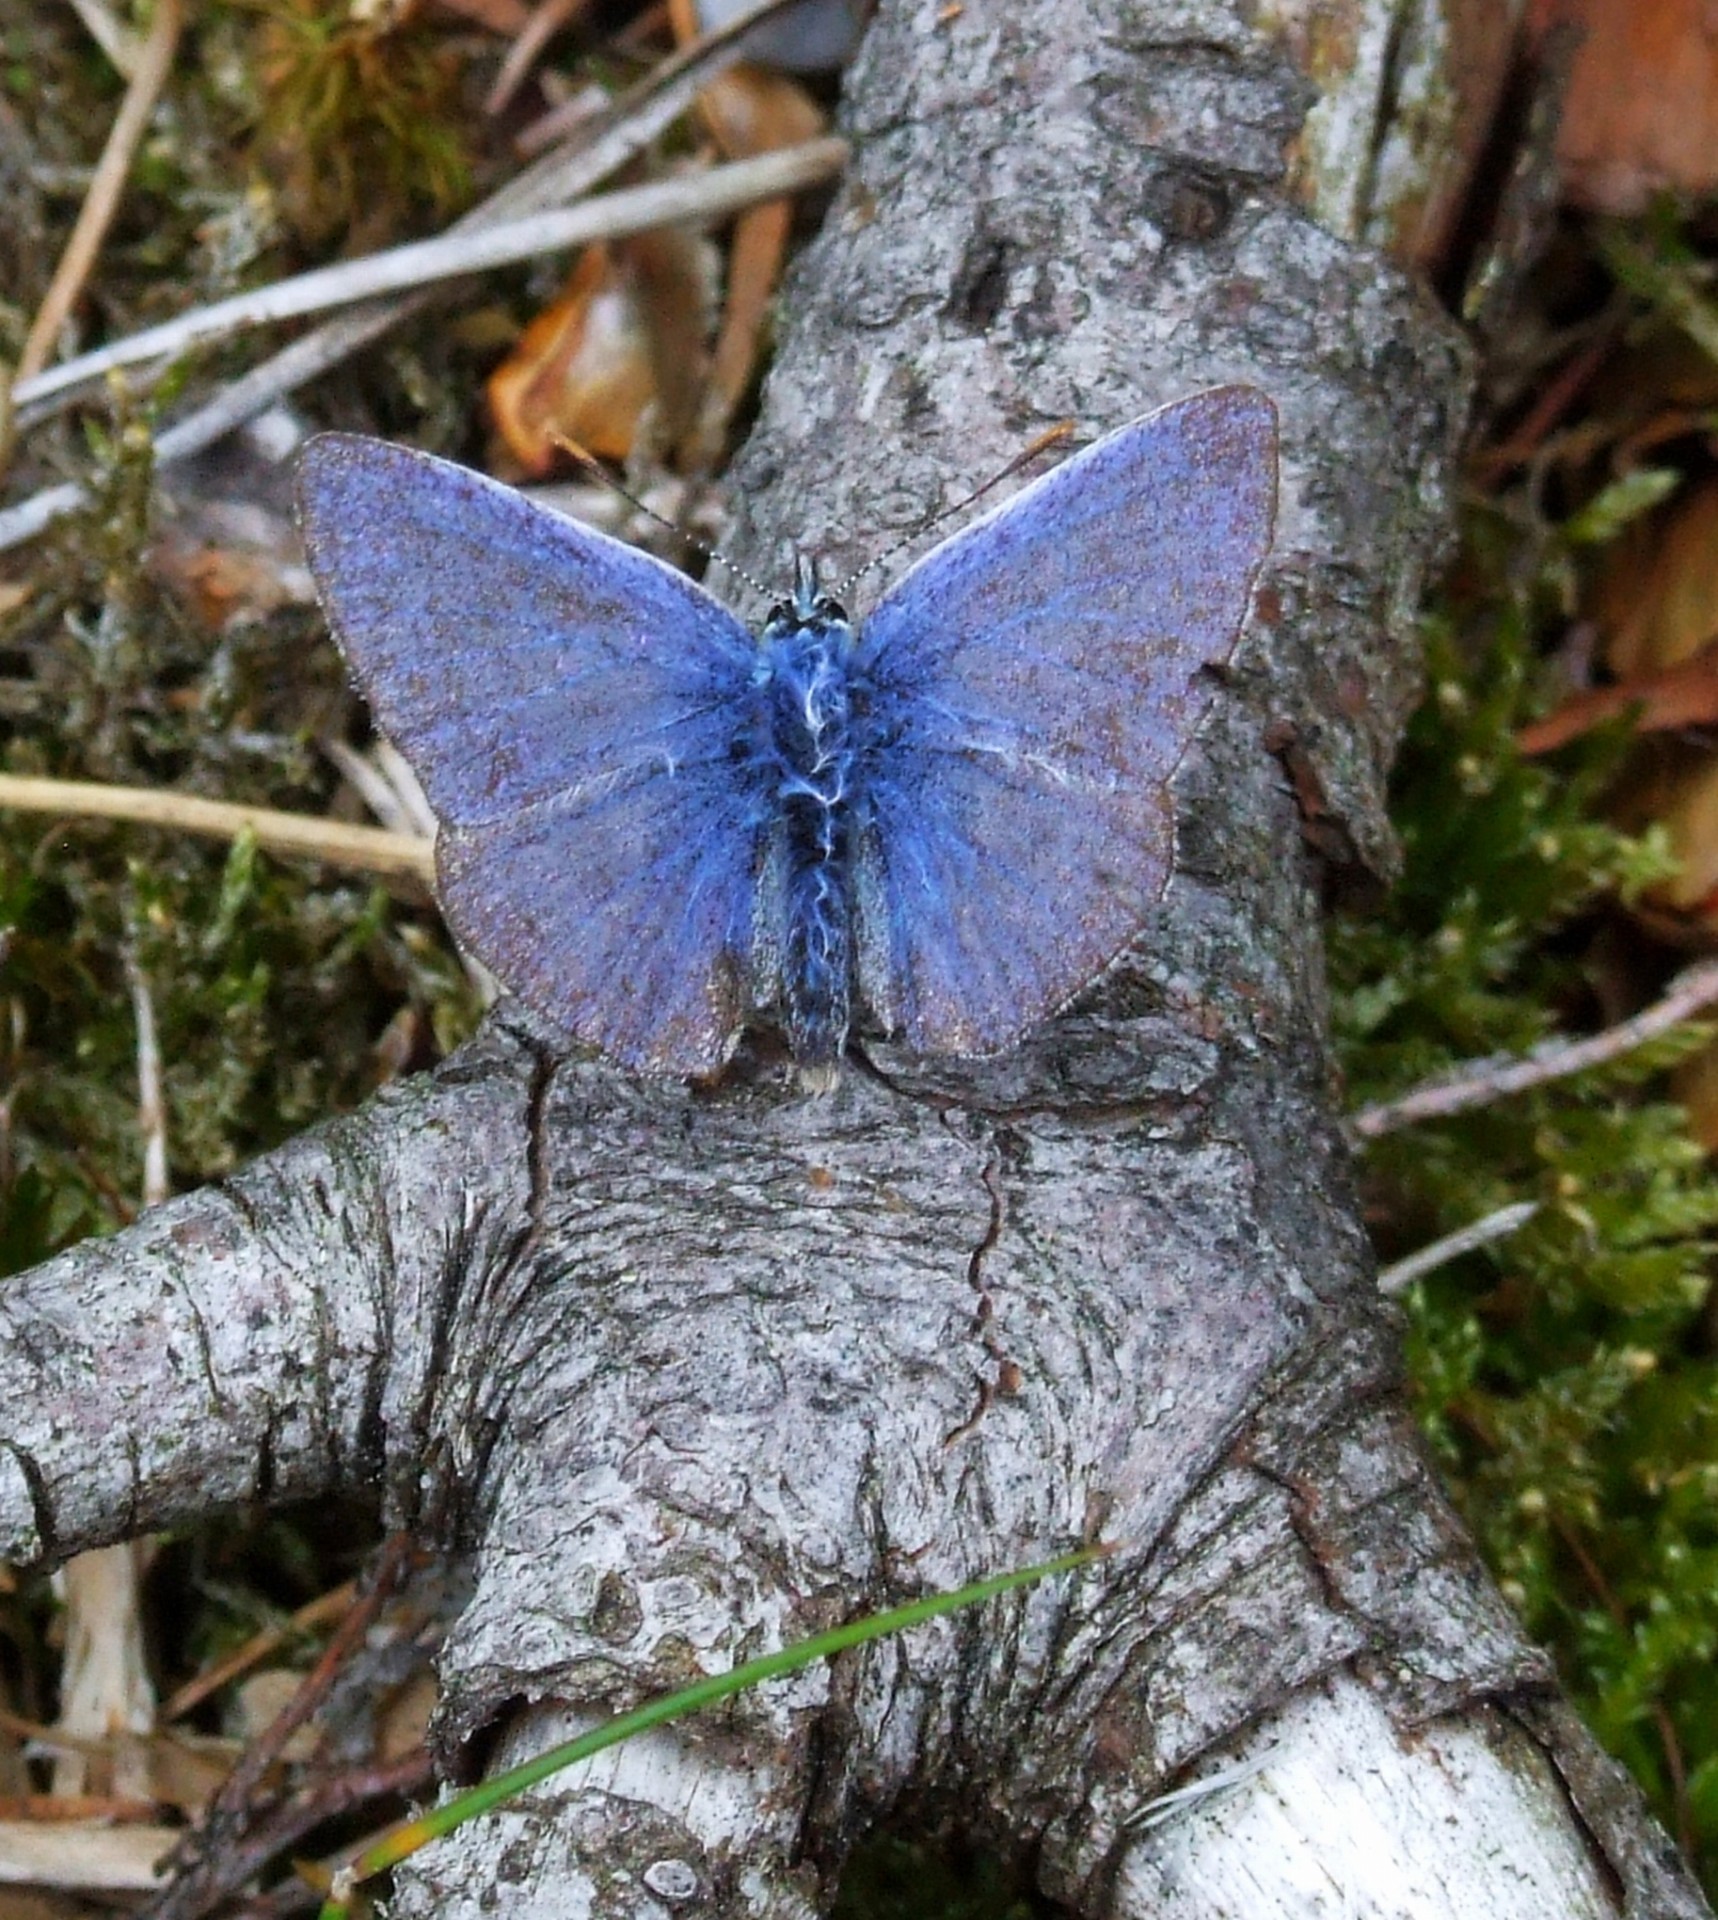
581	368
1656	601
1685	695
627	333
1641	114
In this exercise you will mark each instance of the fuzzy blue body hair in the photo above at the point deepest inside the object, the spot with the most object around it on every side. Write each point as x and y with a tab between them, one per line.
812	743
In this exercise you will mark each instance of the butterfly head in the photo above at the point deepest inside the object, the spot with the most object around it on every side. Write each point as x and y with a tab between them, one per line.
808	605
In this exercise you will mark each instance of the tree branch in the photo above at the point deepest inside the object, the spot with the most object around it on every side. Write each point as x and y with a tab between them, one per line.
689	1372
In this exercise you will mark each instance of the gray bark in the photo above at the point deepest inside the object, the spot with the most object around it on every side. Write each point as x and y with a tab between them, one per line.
689	1373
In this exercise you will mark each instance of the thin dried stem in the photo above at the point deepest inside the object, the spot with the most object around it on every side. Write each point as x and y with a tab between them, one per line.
122	47
366	849
105	188
314	1613
1478	1233
548	20
1481	1083
151	1100
334	1796
203	1858
693	199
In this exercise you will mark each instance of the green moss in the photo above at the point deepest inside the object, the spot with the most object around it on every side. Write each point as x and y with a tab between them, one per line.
359	116
272	983
1564	1375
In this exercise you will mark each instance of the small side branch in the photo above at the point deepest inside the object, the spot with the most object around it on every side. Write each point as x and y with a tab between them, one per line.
1478	1233
102	200
1482	1082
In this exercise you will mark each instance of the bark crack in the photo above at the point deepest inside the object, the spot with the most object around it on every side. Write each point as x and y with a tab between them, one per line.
1005	1374
41	1503
205	1347
543	1067
1386	123
1303	1501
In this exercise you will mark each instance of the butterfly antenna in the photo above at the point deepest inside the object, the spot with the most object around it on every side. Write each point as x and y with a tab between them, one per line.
595	468
1050	437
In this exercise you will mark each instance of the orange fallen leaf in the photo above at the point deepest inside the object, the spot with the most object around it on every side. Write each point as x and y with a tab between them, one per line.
630	330
626	334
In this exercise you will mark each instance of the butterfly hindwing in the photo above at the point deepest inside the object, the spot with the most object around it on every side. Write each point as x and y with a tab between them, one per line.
571	706
1036	680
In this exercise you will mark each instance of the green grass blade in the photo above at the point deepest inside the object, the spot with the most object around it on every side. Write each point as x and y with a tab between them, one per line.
405	1839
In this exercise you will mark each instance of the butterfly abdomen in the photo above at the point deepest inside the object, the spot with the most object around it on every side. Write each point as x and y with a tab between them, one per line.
815	755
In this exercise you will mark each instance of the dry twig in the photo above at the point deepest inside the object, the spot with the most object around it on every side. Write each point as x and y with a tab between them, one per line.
548	20
202	1860
151	1098
1401	1275
366	849
105	188
314	1613
689	200
1480	1083
122	47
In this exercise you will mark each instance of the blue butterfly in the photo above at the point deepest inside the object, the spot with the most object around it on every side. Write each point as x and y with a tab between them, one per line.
952	816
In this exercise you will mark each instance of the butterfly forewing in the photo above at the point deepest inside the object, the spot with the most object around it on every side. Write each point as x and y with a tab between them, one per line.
1035	682
572	707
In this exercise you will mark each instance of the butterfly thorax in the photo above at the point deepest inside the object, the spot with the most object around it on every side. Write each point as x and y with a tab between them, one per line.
804	670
